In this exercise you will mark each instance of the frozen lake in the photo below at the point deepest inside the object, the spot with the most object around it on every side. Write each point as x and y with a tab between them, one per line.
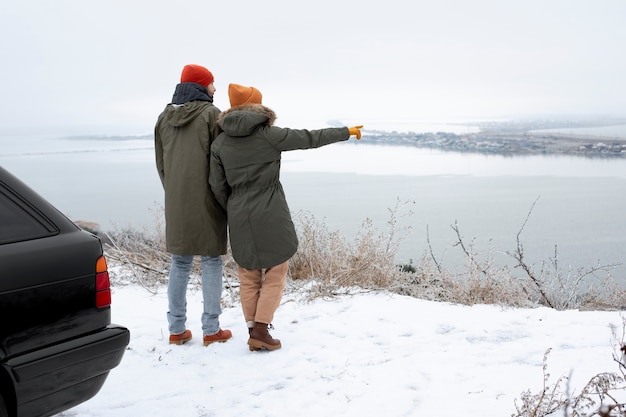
579	202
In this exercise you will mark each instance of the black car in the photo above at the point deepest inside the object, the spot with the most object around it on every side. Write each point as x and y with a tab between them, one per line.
57	343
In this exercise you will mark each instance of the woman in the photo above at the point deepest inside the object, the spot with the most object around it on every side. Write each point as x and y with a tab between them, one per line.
245	178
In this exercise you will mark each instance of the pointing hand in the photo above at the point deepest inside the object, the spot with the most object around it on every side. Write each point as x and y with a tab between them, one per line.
355	131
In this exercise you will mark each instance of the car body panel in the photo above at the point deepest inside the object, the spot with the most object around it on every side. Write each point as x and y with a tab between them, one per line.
49	374
56	346
66	296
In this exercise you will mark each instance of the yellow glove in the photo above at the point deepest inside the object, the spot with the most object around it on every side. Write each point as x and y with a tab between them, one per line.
354	131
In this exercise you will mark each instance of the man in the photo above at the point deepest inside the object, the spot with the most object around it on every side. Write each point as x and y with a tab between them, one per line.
195	224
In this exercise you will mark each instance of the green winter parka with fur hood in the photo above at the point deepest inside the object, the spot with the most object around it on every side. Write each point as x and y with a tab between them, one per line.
195	224
245	178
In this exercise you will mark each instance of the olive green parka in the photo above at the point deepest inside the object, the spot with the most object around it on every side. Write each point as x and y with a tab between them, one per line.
195	224
245	178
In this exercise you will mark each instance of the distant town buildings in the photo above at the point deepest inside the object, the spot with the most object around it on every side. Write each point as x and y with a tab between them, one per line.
507	141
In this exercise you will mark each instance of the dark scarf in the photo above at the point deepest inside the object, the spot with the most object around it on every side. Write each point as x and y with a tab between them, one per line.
186	92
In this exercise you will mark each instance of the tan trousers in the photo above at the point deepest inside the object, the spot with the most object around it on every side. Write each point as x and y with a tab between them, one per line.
261	291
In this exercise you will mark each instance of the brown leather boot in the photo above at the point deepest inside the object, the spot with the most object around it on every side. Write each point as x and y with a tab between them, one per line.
260	338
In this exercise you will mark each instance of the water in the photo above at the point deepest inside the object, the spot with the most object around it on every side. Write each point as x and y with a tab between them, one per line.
107	180
578	202
574	205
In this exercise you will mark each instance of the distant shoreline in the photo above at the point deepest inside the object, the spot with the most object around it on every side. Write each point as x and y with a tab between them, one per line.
510	143
516	138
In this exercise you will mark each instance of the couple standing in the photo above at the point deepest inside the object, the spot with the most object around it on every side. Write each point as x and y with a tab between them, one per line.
238	153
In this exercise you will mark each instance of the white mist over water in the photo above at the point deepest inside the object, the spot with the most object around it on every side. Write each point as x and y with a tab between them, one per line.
613	131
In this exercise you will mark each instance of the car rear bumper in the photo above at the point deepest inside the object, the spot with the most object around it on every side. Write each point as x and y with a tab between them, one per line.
60	376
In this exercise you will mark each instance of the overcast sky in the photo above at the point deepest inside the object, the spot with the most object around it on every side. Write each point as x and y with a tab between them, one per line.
115	63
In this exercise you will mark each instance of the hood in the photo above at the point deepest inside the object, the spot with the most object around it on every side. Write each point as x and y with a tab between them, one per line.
243	120
186	92
181	115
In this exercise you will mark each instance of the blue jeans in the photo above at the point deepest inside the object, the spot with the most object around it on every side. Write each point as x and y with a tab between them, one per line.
211	293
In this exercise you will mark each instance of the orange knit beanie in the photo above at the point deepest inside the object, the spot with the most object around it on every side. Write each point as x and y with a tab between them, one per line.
193	73
238	95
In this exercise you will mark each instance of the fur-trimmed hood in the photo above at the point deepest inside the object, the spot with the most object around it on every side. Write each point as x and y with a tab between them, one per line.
243	120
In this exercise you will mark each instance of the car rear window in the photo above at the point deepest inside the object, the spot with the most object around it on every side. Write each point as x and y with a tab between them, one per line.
19	221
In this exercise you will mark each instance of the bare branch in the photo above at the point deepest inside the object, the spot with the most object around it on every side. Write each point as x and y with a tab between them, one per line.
430	248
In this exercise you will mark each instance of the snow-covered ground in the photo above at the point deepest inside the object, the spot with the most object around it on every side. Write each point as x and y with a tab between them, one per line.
367	354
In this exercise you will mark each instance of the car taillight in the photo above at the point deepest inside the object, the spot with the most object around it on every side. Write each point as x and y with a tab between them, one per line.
103	284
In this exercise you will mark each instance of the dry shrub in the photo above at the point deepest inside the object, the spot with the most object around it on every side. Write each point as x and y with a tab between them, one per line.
484	281
601	396
334	265
491	289
589	288
604	295
553	287
476	286
327	264
423	280
141	257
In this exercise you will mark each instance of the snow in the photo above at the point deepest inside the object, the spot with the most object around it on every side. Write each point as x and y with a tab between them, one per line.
365	354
